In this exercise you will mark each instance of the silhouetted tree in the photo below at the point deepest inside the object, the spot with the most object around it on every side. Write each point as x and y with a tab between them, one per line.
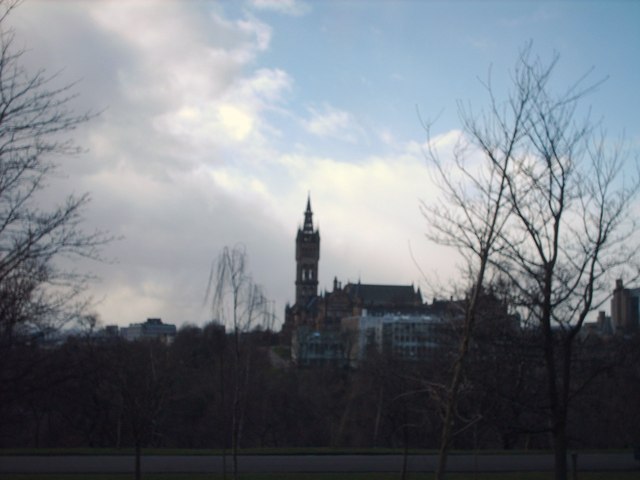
470	216
237	302
570	231
37	294
142	387
35	122
198	417
567	228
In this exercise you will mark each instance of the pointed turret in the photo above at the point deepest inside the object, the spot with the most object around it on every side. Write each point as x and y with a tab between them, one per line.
308	217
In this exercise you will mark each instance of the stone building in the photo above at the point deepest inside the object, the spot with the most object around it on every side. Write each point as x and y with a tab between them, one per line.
342	325
153	328
625	308
313	323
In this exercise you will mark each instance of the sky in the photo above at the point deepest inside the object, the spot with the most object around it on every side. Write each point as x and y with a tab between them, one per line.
218	119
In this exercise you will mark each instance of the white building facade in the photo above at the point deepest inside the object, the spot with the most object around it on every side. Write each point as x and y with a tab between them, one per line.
152	328
407	337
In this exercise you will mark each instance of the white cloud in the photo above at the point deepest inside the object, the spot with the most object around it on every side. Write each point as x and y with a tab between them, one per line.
184	161
368	212
189	81
237	122
169	158
228	120
288	7
177	54
333	123
266	85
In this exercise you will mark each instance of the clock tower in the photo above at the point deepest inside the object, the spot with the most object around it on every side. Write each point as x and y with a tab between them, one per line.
307	256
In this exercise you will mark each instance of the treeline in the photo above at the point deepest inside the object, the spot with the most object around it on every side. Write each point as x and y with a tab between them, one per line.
91	393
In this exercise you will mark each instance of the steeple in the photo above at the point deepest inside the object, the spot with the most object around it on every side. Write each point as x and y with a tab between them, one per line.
307	256
308	217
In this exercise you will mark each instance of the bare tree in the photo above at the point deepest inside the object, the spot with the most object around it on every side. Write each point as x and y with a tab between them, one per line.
237	302
550	217
38	293
36	120
141	386
471	213
570	232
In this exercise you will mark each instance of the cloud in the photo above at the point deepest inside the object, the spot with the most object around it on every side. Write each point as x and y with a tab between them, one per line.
330	122
189	157
235	121
177	55
266	85
287	7
368	212
193	99
184	120
229	121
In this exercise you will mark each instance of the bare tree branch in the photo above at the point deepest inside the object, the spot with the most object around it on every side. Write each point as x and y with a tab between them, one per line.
36	120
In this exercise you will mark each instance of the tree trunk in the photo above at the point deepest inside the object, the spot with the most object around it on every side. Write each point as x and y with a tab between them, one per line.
376	425
235	414
560	451
222	410
445	438
138	473
560	443
405	450
458	370
234	430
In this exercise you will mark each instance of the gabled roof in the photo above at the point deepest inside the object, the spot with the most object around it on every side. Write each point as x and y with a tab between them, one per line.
384	295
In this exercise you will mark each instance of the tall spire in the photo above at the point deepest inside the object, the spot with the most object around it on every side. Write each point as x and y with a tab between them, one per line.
307	256
308	214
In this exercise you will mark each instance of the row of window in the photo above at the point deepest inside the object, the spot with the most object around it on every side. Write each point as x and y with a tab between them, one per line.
307	274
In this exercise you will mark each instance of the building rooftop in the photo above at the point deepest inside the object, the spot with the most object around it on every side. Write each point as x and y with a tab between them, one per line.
384	295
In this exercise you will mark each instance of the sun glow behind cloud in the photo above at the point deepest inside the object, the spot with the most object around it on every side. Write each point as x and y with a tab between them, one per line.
203	106
221	117
237	123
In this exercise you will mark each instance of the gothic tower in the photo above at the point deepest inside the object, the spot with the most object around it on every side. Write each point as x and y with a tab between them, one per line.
307	256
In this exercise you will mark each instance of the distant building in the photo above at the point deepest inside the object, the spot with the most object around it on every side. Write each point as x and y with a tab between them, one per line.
602	327
408	337
325	311
152	328
624	318
314	323
315	348
625	309
307	259
342	326
111	331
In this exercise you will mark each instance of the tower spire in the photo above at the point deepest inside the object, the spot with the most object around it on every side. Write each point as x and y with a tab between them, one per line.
307	256
308	217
